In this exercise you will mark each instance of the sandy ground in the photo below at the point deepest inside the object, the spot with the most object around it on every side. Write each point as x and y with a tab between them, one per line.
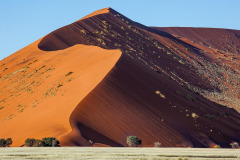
73	153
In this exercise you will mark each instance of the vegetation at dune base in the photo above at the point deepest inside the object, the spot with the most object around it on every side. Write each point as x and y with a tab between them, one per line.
45	142
6	142
234	145
133	141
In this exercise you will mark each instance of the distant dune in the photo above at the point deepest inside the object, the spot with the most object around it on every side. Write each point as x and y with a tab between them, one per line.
105	77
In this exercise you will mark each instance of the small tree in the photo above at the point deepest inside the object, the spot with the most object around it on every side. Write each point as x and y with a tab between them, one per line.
234	144
6	142
9	142
55	143
37	143
133	141
2	142
45	142
50	142
30	142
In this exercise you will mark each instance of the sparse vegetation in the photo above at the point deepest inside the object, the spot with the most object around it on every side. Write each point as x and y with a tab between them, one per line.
91	142
133	141
210	116
68	74
194	115
50	142
6	142
157	144
234	145
31	142
160	94
190	98
45	142
218	146
59	85
83	31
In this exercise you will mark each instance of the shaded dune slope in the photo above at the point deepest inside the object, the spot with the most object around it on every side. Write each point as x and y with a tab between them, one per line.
226	40
125	103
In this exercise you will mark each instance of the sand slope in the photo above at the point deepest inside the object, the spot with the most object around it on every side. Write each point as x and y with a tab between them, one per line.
38	93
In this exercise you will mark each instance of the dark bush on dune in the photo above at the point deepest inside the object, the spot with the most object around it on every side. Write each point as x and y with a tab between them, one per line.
133	141
50	142
6	142
45	142
31	142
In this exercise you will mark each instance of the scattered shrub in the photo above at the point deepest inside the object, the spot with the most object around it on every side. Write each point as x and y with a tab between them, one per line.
218	146
194	115
50	142
91	142
69	73
157	144
234	145
133	141
160	94
210	116
190	98
6	142
37	143
59	85
30	142
45	142
2	142
224	115
9	142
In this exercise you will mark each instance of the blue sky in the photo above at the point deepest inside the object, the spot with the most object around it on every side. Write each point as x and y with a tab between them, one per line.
24	21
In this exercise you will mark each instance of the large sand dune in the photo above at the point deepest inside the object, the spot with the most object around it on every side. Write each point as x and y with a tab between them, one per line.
105	77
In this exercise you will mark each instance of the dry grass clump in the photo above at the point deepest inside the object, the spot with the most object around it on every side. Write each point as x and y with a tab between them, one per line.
194	115
160	94
157	144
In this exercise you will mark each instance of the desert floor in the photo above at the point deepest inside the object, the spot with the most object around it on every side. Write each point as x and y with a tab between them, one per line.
74	153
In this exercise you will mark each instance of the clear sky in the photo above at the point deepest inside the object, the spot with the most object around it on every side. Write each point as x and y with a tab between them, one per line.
24	21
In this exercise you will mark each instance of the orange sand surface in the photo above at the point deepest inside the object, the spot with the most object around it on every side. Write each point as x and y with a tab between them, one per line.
44	96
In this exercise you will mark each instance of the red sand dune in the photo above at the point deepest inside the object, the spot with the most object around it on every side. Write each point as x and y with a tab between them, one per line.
167	85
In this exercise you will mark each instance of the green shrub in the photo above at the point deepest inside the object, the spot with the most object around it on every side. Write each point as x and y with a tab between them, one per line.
6	142
37	143
50	142
45	142
30	142
133	141
2	142
9	142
